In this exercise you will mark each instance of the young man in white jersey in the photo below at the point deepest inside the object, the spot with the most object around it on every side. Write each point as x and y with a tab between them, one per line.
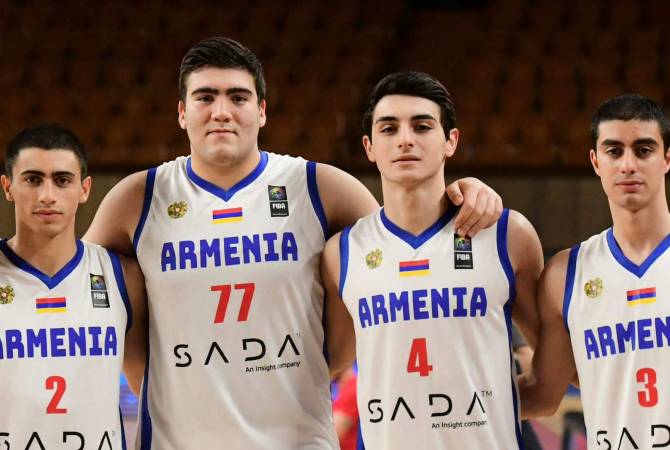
66	307
603	303
431	310
229	241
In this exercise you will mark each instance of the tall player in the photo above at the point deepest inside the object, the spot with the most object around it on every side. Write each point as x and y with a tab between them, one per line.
229	241
431	310
603	303
65	306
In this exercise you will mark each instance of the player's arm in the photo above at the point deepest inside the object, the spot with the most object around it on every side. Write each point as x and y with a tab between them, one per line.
339	327
553	365
119	213
346	200
525	252
134	358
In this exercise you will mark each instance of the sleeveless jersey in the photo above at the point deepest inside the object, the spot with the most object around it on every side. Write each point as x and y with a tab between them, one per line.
61	351
618	317
432	315
236	305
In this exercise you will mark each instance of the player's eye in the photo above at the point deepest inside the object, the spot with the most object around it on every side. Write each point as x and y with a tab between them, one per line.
33	179
63	181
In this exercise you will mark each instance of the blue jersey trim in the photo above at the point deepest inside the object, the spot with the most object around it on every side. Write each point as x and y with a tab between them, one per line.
569	284
148	195
313	189
50	282
121	283
416	241
507	309
223	194
123	431
360	444
344	259
146	429
503	253
629	265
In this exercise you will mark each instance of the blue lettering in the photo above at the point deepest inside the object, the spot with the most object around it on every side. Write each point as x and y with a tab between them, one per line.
378	309
644	334
419	303
662	330
13	338
251	246
77	339
399	304
625	334
364	313
289	247
230	250
168	259
56	337
478	302
95	349
208	250
35	341
270	239
440	301
187	253
591	345
606	341
459	292
110	341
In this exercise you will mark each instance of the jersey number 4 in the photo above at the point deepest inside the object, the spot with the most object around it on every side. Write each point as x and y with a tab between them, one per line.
418	358
224	297
58	384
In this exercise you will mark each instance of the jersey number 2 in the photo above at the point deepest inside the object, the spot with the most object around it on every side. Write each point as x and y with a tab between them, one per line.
648	397
418	358
224	298
57	383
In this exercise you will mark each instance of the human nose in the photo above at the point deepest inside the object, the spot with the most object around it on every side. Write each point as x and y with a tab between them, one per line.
221	110
47	193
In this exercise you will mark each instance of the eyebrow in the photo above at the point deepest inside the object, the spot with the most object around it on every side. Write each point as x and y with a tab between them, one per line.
395	119
641	141
58	173
229	91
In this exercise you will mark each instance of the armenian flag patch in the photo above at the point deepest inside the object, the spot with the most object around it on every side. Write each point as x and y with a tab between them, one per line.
50	305
641	296
227	215
414	268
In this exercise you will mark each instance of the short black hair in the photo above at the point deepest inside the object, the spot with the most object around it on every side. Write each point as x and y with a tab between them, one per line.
630	107
415	84
45	137
222	53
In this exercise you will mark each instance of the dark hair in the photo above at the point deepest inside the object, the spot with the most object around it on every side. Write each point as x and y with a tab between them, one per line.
45	137
415	84
630	107
223	53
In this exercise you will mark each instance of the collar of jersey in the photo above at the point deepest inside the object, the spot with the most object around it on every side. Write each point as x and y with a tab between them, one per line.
50	282
222	193
418	240
629	265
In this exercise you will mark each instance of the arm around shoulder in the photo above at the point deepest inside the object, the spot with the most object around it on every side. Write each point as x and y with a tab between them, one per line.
118	215
137	338
339	327
344	198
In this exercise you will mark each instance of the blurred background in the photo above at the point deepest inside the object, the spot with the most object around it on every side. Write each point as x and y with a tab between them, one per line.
525	76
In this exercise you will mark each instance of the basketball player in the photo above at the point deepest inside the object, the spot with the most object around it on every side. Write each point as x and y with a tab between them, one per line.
229	241
603	303
431	310
64	306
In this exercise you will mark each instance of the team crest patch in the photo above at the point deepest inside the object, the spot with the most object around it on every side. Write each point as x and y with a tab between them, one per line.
462	252
373	259
6	295
278	201
593	288
177	210
99	294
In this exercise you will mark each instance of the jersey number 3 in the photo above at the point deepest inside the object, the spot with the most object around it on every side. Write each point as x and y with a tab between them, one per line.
58	384
418	358
649	396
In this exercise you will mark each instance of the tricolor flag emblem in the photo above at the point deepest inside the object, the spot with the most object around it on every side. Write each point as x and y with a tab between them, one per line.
50	305
414	268
641	296
227	215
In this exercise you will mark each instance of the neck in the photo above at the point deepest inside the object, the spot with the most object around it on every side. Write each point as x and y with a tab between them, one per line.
48	254
638	233
415	208
225	173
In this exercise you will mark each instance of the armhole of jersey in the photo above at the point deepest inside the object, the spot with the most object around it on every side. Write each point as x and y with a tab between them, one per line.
148	194
313	189
121	284
145	427
344	259
503	253
569	284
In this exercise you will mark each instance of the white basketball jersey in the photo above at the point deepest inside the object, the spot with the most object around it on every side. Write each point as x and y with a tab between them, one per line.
432	315
236	302
618	317
61	352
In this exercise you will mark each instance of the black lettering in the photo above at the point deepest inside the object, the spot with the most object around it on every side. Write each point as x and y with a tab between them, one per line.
257	341
105	437
5	443
432	397
605	440
475	399
82	441
625	432
667	431
186	354
378	409
397	406
218	349
288	340
32	438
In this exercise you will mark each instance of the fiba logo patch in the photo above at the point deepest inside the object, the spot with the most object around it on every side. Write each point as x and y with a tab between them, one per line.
99	291
462	252
278	201
6	295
